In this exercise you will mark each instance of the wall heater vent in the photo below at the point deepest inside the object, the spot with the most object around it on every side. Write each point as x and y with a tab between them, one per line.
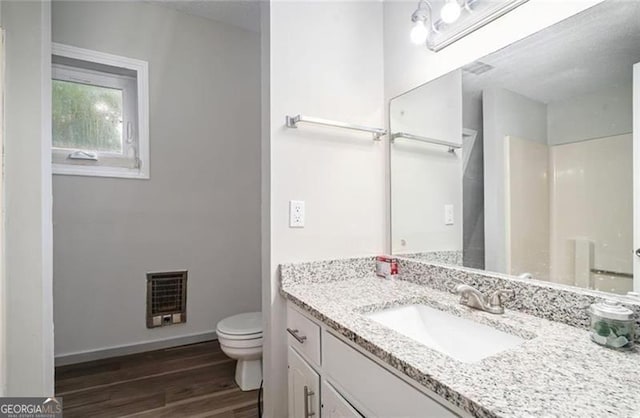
166	298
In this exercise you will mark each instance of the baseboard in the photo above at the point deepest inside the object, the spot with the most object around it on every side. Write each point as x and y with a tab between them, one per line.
123	350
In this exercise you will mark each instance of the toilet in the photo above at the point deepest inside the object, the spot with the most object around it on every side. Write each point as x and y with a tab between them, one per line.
240	337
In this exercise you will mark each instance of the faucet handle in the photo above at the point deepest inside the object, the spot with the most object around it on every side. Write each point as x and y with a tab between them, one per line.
498	296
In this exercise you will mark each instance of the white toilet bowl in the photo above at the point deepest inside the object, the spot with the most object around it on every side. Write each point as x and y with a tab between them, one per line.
240	337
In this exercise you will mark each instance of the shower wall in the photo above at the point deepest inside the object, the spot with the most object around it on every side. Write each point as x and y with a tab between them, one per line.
569	211
527	211
592	206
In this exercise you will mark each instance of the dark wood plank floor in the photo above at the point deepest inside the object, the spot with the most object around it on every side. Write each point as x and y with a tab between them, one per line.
189	381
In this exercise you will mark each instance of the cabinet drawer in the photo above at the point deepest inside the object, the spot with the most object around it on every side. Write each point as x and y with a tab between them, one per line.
374	388
304	335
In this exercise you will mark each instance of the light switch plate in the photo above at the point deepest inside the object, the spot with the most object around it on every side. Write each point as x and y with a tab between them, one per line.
296	214
448	214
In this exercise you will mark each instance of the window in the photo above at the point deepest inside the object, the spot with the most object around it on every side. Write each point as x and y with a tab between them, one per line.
99	114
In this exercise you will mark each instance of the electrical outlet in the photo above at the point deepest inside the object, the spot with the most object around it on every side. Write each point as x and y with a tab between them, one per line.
296	214
448	214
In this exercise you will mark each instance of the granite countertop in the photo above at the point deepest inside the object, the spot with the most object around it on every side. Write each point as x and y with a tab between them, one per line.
556	372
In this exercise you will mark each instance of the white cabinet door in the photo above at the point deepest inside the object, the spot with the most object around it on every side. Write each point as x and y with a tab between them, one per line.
334	405
304	387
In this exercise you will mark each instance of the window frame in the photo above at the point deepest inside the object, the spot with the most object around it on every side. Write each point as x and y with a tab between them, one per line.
109	164
127	86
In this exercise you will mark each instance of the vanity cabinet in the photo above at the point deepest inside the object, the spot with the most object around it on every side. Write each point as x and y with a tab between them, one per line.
334	405
330	377
304	387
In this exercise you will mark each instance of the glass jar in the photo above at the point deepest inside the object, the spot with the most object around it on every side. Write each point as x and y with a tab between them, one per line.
612	325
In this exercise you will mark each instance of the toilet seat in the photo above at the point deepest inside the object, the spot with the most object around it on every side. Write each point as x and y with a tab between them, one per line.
238	337
241	325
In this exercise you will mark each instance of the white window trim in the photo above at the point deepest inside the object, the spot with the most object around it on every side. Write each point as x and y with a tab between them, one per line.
142	70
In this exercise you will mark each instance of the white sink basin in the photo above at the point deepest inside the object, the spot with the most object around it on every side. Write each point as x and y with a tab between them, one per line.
460	338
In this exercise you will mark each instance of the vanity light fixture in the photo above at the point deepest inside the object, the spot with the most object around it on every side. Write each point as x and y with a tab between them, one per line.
422	23
454	19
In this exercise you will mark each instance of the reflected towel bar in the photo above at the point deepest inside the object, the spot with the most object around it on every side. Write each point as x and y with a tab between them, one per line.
292	122
612	273
452	146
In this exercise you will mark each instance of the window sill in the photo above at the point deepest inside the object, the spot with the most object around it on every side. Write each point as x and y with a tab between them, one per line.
88	171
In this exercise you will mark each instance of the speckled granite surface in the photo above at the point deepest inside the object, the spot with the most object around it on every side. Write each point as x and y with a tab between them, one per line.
556	372
453	258
327	271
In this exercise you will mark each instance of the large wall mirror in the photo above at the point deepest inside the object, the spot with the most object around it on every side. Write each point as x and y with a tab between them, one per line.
522	161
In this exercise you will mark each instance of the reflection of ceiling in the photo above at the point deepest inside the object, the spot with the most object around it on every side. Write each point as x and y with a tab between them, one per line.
582	54
244	14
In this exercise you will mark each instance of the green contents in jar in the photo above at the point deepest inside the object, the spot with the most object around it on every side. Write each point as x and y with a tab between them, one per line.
616	334
602	328
612	325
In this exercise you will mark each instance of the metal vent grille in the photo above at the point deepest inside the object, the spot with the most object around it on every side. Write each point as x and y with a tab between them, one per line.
166	298
477	68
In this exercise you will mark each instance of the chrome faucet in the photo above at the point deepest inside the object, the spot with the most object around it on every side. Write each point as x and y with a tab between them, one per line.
473	298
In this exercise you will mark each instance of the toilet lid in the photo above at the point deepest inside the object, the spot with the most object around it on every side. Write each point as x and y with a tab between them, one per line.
242	324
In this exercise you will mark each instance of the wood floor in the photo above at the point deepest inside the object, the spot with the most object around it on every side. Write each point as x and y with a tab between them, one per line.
189	381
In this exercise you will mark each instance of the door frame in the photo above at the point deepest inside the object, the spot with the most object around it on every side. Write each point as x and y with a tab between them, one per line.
3	334
636	176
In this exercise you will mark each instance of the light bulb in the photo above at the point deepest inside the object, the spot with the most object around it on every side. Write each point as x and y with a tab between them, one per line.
419	33
450	12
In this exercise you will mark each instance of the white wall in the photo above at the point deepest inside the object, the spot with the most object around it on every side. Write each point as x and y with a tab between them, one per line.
505	113
426	177
199	211
326	61
603	113
27	197
433	110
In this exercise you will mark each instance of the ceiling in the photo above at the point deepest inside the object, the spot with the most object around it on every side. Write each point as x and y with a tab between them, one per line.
585	53
244	14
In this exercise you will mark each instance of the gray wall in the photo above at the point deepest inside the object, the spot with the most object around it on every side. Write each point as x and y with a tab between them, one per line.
201	208
473	184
